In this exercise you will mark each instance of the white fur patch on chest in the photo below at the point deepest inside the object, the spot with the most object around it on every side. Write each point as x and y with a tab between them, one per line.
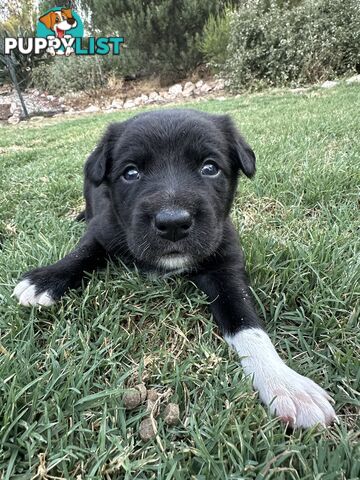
297	400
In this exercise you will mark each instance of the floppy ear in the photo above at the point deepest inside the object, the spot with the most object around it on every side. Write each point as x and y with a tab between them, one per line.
239	151
99	163
48	20
66	12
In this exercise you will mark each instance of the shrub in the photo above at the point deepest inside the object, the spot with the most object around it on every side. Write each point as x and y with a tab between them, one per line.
64	74
22	63
273	45
162	36
216	37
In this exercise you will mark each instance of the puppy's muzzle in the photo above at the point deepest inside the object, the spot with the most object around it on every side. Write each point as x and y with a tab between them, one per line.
173	224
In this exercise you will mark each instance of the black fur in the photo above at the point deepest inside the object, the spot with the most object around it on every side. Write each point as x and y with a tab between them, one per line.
168	148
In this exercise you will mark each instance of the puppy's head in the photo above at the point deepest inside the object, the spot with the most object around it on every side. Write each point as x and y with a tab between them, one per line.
172	176
59	21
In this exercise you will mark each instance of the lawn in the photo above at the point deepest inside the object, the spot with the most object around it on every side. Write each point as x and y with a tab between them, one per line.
63	370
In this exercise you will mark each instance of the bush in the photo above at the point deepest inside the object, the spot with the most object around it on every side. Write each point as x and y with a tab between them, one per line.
22	63
162	36
64	74
216	37
274	45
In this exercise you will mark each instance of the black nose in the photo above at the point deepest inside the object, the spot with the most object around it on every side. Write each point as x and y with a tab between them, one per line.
173	224
71	21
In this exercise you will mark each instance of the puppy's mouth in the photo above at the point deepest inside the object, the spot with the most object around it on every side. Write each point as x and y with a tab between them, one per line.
60	33
172	253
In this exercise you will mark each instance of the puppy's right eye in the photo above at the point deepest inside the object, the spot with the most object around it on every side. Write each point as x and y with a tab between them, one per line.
210	169
131	174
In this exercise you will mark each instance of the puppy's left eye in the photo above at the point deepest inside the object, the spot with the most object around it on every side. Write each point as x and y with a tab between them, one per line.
131	174
210	169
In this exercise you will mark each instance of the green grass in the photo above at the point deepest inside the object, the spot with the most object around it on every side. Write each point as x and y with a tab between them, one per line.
63	370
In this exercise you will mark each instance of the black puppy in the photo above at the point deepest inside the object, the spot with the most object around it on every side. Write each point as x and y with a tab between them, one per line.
158	192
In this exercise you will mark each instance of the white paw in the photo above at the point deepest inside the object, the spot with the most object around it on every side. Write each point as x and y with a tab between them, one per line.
295	399
25	293
69	51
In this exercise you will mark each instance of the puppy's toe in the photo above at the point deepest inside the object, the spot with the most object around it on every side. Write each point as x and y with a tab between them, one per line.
313	404
308	413
28	296
21	287
25	293
285	409
45	299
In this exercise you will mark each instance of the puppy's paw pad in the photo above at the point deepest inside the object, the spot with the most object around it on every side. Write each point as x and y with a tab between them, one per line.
25	292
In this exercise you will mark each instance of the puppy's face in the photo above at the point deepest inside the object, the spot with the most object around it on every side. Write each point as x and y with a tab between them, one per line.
172	177
59	21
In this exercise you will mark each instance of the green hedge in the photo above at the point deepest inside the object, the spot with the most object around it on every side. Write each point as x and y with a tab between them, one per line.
162	36
215	39
275	45
75	73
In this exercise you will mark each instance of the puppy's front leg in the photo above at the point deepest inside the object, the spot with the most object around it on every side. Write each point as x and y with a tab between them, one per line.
297	400
45	285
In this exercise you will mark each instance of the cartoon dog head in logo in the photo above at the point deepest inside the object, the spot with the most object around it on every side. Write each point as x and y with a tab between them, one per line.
59	21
